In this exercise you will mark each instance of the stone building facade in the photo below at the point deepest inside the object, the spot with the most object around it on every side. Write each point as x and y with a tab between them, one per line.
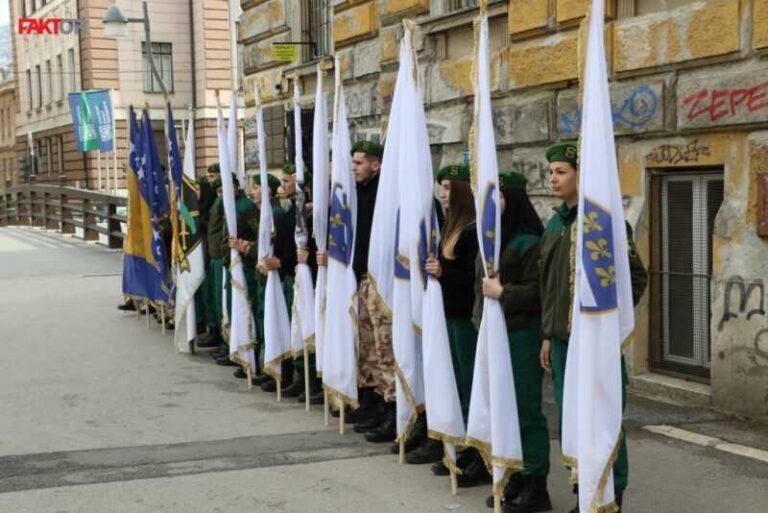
8	161
195	48
689	88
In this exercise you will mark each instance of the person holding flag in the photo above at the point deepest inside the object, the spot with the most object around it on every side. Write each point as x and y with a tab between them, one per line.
493	428
557	274
516	287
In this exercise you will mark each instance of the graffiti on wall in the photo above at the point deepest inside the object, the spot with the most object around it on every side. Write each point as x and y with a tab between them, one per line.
746	299
724	103
674	154
632	111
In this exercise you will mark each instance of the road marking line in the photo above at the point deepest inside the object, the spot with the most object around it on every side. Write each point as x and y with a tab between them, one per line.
708	441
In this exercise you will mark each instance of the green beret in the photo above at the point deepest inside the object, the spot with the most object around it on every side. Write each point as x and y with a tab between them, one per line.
272	181
216	183
458	172
289	169
214	168
564	152
511	180
369	148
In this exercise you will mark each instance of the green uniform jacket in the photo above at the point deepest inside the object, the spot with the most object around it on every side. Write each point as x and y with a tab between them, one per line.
556	293
247	227
519	274
216	230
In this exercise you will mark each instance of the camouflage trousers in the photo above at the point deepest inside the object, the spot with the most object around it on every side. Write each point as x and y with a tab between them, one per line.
376	359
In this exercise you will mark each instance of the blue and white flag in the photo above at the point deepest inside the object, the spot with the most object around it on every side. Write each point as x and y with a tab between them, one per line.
241	323
320	190
277	325
493	426
408	154
340	353
603	313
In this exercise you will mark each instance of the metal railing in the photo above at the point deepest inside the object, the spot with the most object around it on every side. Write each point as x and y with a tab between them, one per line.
79	212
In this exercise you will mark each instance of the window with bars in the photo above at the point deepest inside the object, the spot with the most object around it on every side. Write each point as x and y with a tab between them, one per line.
162	54
684	206
315	29
274	128
48	82
59	78
39	74
630	8
71	72
30	94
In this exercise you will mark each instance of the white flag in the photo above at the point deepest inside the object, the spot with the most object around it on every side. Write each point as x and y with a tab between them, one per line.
493	426
408	153
444	418
603	314
191	274
340	355
303	318
277	327
241	327
320	190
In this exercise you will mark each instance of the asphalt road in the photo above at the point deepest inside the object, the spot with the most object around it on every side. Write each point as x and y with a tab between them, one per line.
99	414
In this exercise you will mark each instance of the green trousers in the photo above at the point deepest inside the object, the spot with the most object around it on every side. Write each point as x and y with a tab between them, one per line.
559	355
462	337
524	349
216	284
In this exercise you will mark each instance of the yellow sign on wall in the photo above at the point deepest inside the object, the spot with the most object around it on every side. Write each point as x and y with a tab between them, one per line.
285	52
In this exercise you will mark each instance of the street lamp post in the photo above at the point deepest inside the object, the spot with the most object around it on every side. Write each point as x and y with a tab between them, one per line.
115	26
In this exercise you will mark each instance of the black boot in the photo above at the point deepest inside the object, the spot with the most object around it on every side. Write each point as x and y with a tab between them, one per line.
270	385
619	497
314	386
439	469
575	490
296	387
473	470
533	498
128	306
225	361
368	412
429	451
418	436
511	490
208	340
319	396
387	430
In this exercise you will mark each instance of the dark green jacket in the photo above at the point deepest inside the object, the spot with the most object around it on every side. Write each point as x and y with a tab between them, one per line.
519	275
556	293
216	230
247	227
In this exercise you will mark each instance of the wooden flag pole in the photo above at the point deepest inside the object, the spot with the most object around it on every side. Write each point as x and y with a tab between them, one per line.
162	318
146	308
341	419
248	377
279	391
496	503
325	408
454	483
402	450
451	470
306	378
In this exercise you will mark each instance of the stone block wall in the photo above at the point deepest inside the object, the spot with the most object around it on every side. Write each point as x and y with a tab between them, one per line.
689	89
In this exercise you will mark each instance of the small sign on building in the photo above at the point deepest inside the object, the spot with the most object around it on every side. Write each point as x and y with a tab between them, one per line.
285	52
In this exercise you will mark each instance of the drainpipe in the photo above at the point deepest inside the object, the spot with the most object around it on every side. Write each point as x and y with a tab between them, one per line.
193	64
80	53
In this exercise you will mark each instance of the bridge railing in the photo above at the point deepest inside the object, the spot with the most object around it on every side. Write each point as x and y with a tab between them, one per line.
86	214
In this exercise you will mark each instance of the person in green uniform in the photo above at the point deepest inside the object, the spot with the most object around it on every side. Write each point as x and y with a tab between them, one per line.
455	268
214	275
557	293
247	214
211	212
517	289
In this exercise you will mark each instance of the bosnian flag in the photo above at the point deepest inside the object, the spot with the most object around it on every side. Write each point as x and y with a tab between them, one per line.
492	426
603	314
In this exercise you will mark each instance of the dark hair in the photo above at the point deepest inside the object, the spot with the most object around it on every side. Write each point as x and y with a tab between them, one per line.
460	214
519	216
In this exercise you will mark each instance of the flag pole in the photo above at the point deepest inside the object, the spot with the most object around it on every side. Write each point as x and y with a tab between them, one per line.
248	376
401	457
325	408
162	318
146	307
278	384
341	418
306	378
451	469
496	502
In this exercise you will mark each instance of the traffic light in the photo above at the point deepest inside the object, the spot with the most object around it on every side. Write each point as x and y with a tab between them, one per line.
30	166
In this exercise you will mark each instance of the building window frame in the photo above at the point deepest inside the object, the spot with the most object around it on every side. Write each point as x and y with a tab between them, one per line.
30	91
163	56
60	81
72	70
39	82
316	27
49	82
